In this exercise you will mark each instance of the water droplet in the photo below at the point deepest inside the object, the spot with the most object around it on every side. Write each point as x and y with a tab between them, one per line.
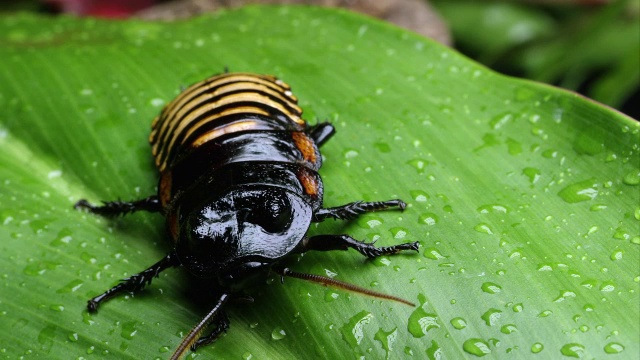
57	307
492	208
564	295
39	267
545	313
580	191
433	254
434	352
353	331
537	347
500	120
545	267
483	228
398	232
607	286
247	356
428	218
632	178
420	322
458	323
589	283
573	350
278	333
532	173
621	234
408	351
63	237
584	328
369	221
70	287
156	102
419	195
491	316
488	140
418	164
129	330
518	307
350	153
616	255
330	295
386	338
381	261
613	348
508	329
477	347
491	288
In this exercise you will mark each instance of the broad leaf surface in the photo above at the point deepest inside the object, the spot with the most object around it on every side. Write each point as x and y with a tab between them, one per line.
524	197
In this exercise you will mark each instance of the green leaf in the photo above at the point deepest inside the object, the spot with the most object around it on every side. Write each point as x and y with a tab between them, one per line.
524	197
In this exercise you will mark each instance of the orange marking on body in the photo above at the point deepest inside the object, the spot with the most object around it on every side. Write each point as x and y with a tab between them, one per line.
164	189
308	181
305	145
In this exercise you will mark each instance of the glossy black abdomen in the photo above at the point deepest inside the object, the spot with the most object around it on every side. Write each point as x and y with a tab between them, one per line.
232	130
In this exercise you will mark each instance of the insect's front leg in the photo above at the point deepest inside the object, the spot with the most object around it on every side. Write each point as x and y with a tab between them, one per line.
135	282
354	209
115	208
345	242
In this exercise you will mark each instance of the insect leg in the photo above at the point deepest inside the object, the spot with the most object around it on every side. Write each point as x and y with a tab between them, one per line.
321	132
221	326
344	242
135	282
115	208
352	210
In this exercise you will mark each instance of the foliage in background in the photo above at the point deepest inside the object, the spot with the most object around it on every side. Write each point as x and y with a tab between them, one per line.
591	49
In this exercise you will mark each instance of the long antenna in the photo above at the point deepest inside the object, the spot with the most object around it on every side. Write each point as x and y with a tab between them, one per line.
197	330
327	281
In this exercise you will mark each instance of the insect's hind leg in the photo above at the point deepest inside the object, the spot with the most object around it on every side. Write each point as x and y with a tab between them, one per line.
345	242
115	208
135	282
352	210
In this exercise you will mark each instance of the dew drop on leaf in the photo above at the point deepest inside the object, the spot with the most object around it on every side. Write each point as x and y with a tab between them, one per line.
477	347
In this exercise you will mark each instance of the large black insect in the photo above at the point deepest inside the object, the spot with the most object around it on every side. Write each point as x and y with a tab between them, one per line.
239	188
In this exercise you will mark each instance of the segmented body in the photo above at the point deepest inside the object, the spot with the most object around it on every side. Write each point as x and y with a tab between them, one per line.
229	130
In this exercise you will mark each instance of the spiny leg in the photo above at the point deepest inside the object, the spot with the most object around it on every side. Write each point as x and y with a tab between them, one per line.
221	326
345	242
115	208
352	210
135	282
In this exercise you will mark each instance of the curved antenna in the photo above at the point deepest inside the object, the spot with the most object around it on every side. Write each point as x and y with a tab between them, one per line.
327	281
197	330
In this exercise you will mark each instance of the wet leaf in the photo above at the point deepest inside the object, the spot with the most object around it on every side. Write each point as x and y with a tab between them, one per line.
524	197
